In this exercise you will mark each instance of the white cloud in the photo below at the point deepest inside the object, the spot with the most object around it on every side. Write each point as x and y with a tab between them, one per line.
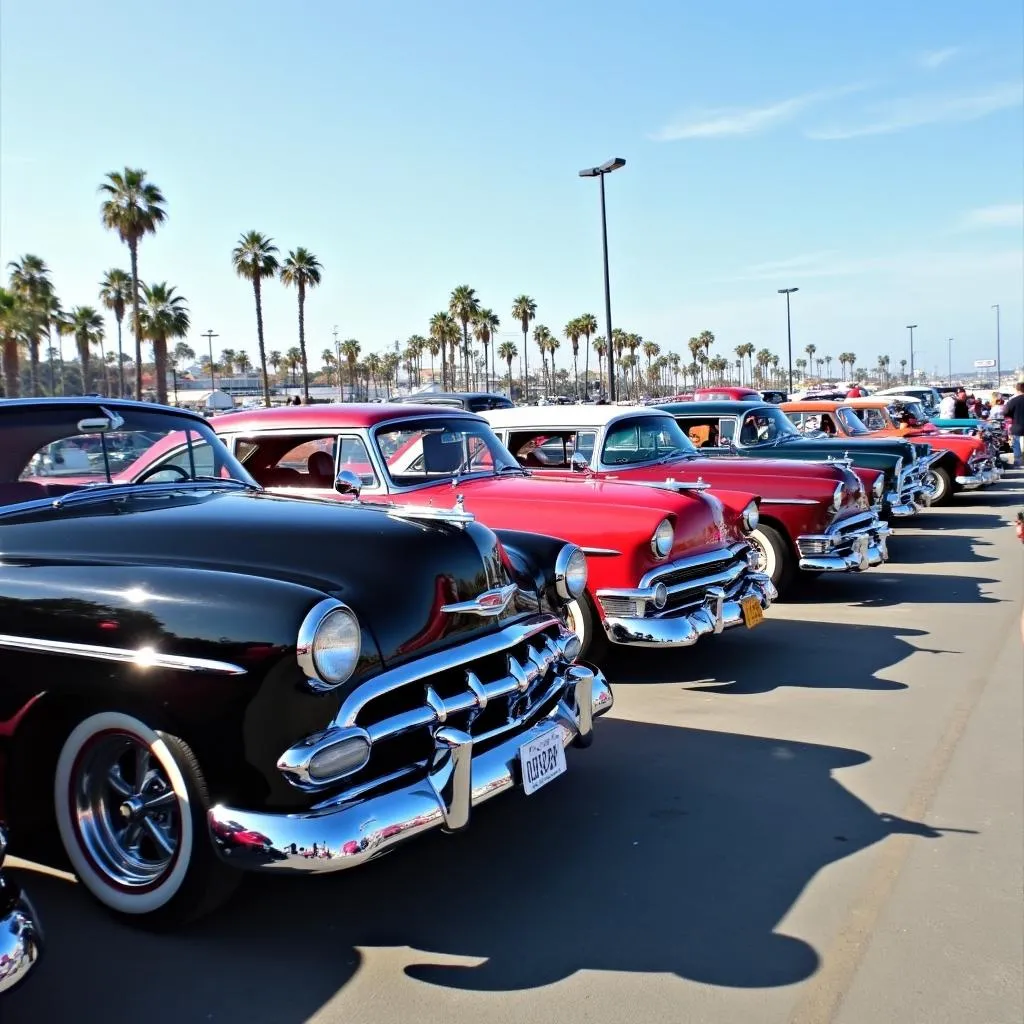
1004	215
725	121
916	111
936	58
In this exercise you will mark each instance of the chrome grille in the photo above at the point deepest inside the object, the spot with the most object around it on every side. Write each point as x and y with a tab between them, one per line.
689	579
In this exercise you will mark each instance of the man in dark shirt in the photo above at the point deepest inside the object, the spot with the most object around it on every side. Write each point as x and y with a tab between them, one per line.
1013	414
961	411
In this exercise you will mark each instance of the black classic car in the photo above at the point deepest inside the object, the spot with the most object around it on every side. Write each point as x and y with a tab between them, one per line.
21	940
206	677
761	430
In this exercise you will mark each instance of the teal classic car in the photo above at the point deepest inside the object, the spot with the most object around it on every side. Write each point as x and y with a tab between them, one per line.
760	430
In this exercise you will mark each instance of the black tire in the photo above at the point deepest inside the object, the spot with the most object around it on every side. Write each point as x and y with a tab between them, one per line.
586	623
942	484
154	867
775	557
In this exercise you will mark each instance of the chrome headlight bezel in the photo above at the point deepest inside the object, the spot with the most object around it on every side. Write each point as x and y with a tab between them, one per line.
321	675
663	539
570	572
878	488
837	496
750	518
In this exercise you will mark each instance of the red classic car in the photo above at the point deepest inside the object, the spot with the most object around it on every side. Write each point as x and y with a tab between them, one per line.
814	516
667	565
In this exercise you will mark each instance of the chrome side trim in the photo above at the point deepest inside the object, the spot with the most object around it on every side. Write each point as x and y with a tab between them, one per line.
790	501
668	484
142	657
601	552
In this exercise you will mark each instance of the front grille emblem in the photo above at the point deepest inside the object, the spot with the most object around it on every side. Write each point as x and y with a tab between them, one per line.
488	604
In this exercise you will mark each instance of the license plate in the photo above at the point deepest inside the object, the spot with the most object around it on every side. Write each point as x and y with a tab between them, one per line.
753	614
541	760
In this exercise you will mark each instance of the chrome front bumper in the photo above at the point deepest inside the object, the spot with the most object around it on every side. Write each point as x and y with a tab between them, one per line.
716	613
344	834
852	550
980	476
21	940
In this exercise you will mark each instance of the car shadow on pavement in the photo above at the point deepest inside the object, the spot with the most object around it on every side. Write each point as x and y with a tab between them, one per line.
937	548
933	522
664	849
800	653
882	588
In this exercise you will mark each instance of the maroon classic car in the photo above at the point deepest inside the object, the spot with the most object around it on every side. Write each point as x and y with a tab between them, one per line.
814	516
667	565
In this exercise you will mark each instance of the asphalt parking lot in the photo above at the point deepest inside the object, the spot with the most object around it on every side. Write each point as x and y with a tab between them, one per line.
817	820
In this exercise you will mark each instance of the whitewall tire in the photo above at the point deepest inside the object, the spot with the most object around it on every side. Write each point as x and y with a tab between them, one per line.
773	556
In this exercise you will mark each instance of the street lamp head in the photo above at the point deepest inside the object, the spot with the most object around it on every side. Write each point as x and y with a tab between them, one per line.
787	291
606	168
911	327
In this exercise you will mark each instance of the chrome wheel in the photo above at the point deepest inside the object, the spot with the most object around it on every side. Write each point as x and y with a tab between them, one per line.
765	553
125	811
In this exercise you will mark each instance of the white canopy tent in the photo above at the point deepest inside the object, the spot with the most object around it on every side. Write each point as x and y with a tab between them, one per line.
213	401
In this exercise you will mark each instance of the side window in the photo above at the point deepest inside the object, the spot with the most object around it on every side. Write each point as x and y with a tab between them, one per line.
727	428
289	461
205	464
585	441
828	424
352	455
542	449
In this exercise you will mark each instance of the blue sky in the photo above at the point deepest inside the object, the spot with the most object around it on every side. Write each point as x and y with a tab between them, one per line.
871	154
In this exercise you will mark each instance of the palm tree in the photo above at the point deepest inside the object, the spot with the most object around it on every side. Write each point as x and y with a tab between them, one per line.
746	351
696	346
847	359
350	349
30	281
588	326
524	309
242	362
764	357
87	327
828	366
485	323
507	350
10	337
275	359
445	331
903	369
327	358
810	350
419	345
600	346
115	293
302	269
227	361
706	339
651	349
572	332
255	258
433	347
540	337
463	306
293	361
134	208
801	364
552	346
183	353
773	359
164	315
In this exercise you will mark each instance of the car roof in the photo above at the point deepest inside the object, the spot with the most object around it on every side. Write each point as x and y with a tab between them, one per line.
9	405
583	415
719	408
429	396
814	405
870	402
350	415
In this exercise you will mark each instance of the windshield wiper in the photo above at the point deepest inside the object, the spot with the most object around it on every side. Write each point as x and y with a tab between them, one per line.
676	453
507	468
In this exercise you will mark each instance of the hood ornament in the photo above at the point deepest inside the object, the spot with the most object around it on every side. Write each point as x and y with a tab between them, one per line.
488	604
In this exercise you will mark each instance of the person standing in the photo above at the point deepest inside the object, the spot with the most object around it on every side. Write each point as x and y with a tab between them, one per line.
947	407
1013	414
961	410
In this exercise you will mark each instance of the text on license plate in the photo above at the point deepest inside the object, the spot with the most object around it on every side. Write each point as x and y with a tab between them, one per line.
541	760
753	614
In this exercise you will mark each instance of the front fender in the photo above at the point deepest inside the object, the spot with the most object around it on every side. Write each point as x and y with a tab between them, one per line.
532	559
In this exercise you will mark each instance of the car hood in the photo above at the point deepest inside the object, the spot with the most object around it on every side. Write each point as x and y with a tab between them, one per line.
394	573
855	448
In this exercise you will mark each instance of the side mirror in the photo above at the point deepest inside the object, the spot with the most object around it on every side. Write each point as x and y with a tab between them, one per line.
347	482
579	462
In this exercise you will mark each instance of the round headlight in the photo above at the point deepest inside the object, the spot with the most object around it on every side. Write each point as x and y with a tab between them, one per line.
837	496
329	644
663	539
570	572
751	518
878	487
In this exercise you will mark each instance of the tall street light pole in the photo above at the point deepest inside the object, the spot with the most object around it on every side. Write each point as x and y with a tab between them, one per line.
949	379
600	172
910	327
999	357
789	333
337	363
209	336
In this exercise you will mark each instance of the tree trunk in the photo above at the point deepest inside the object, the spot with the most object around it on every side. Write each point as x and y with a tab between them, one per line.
259	336
106	368
510	379
133	249
576	370
33	363
586	369
12	382
526	368
302	340
120	360
160	368
83	358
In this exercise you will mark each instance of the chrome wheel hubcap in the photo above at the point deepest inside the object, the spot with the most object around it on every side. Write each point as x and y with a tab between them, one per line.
125	811
762	555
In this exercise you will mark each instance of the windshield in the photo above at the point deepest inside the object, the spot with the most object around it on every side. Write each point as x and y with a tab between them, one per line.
766	426
438	448
853	423
643	439
54	449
